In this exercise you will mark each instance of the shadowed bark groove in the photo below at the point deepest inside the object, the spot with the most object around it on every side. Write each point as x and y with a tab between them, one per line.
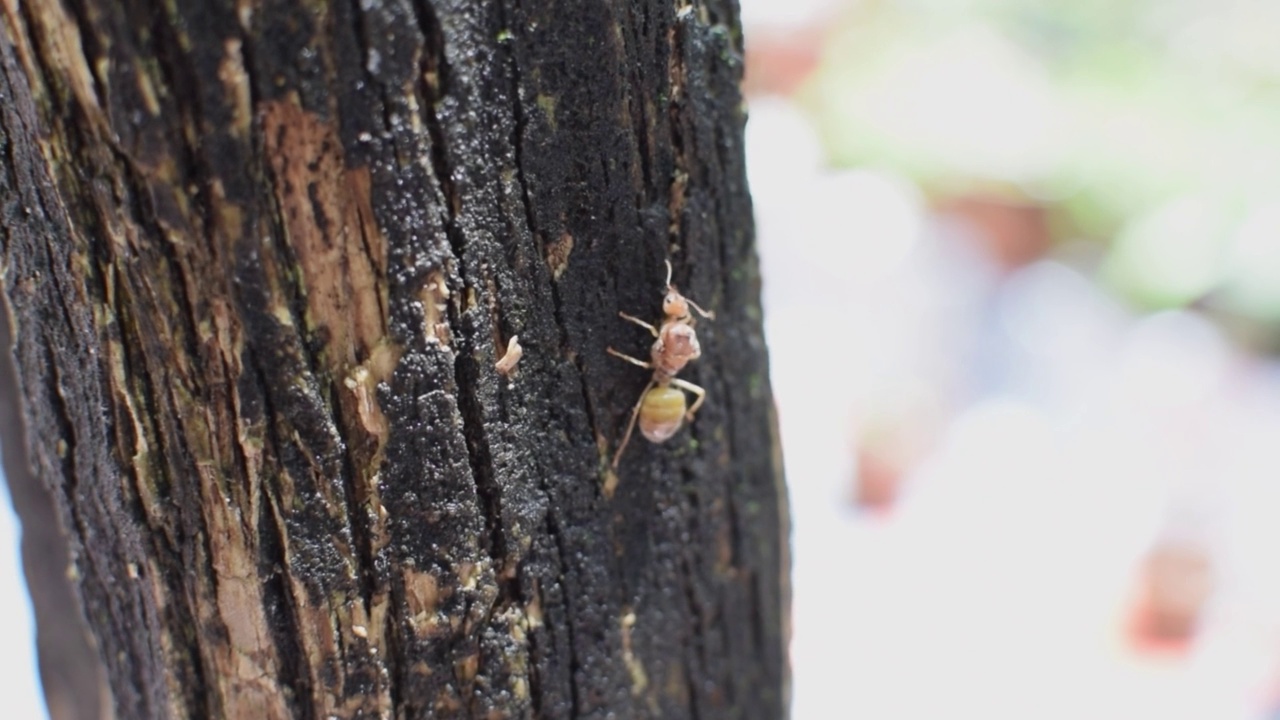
260	259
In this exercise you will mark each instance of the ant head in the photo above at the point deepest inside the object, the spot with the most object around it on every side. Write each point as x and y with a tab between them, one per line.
674	305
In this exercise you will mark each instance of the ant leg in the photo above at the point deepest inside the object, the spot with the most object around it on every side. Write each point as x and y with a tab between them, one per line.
628	358
708	314
631	426
696	390
639	322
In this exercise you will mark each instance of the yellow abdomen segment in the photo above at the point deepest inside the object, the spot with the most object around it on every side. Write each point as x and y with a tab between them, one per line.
661	413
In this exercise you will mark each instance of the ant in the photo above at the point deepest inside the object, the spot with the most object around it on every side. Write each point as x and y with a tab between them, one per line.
661	409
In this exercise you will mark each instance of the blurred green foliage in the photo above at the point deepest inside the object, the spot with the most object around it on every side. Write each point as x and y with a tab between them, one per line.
1153	126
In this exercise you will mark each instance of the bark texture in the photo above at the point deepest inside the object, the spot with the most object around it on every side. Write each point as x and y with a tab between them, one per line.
260	259
74	686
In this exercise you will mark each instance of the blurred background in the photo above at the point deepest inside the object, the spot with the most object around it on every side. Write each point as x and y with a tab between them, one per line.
1022	288
19	674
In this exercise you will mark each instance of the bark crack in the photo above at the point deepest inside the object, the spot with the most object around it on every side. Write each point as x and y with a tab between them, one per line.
520	125
280	606
695	642
575	664
467	373
517	142
638	110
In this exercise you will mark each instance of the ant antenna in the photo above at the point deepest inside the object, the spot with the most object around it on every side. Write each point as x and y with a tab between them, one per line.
708	314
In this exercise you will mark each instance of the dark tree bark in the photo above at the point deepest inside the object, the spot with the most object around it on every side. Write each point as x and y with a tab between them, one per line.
74	686
260	259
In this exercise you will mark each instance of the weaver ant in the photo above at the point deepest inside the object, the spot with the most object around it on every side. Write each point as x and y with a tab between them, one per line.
661	409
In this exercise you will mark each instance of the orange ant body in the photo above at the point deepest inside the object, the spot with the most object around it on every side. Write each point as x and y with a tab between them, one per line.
661	409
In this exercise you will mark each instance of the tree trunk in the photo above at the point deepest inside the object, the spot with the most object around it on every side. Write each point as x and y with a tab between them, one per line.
260	259
74	687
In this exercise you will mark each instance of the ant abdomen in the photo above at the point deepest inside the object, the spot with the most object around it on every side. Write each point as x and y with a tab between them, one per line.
661	413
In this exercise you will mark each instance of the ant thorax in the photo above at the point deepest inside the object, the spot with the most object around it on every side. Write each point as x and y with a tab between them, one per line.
676	345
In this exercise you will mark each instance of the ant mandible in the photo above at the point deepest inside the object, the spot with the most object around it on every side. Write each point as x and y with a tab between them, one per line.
661	409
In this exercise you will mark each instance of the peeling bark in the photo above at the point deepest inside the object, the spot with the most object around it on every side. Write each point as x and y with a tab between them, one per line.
261	260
